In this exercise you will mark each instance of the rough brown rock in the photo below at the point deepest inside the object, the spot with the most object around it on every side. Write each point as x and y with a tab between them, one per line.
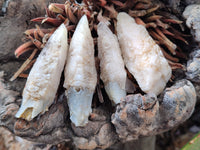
139	115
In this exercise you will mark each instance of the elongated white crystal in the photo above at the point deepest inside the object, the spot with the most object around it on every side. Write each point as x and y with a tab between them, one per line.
142	56
44	77
112	68
80	74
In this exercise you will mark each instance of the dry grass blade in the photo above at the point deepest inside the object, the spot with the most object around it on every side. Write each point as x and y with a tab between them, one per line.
21	69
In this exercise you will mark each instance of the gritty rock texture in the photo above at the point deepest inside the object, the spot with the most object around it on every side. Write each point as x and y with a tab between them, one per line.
197	88
177	6
193	71
9	142
136	116
188	2
193	67
8	105
146	115
191	14
52	127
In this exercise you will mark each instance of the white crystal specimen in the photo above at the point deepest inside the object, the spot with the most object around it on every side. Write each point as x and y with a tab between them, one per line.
112	68
80	74
142	56
44	77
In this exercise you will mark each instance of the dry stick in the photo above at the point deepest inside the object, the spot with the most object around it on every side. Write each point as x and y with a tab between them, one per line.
148	25
24	50
61	17
79	13
21	69
62	6
19	50
180	53
140	13
70	27
118	3
55	9
30	64
167	32
174	36
35	34
171	44
102	3
162	41
153	18
75	9
172	21
161	24
151	25
38	19
36	42
111	9
169	57
100	96
22	75
40	32
31	31
175	66
70	14
139	21
52	21
48	12
142	6
176	32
